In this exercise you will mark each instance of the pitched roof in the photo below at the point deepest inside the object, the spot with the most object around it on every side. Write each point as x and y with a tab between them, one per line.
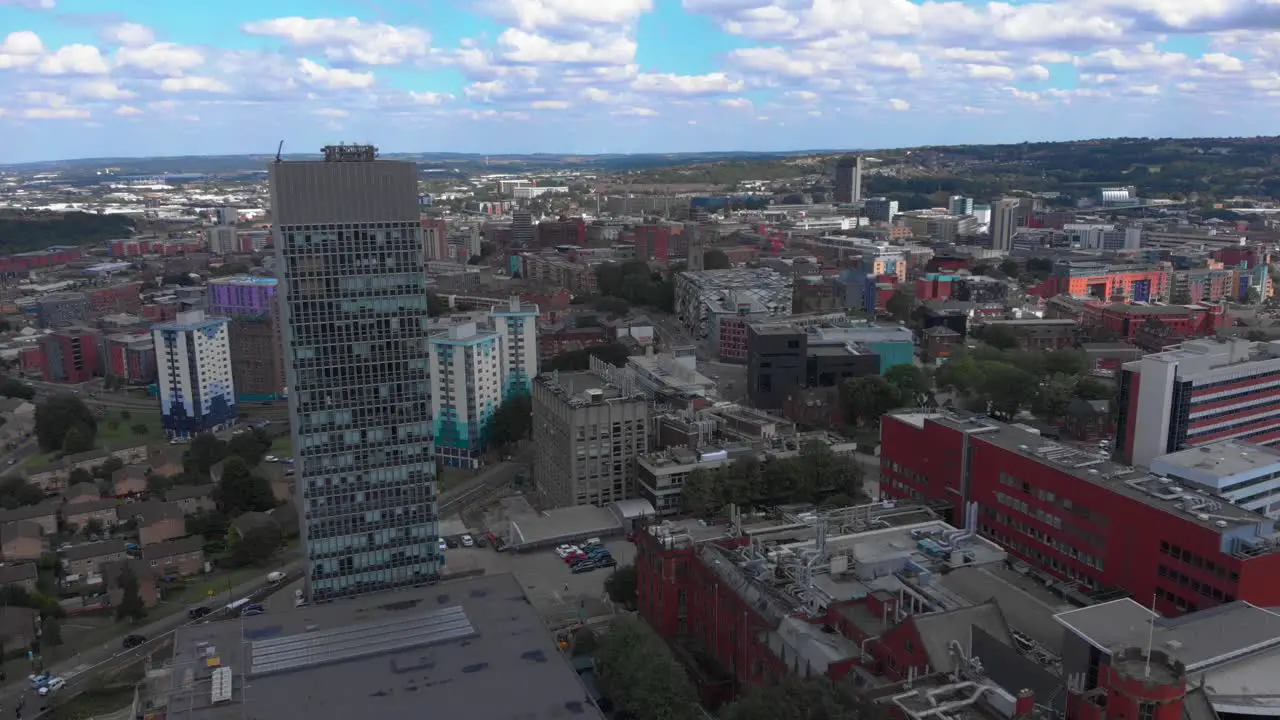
82	489
18	573
129	472
188	492
181	546
150	511
93	550
88	507
938	630
30	512
251	520
20	529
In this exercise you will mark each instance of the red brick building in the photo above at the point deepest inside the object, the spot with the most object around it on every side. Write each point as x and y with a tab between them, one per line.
1080	518
25	262
123	298
70	356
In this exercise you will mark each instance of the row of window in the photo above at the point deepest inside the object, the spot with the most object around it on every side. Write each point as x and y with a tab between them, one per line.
1197	561
1202	588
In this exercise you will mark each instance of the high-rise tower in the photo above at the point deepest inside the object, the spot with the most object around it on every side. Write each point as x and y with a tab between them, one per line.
353	302
849	179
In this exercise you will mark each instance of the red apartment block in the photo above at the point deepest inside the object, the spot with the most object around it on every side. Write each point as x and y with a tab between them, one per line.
24	262
1081	518
1182	321
116	299
70	356
134	248
933	287
653	242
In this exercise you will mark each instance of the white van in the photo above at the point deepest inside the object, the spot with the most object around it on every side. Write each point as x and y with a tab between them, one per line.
276	577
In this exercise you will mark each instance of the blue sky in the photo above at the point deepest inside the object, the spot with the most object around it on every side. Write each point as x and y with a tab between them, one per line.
96	78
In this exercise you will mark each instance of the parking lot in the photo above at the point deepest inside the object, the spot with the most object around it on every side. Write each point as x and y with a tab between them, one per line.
544	576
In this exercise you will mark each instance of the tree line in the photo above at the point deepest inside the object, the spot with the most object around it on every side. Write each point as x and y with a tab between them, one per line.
816	475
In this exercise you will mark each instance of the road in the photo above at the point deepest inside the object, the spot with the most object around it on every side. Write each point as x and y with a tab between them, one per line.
78	671
479	488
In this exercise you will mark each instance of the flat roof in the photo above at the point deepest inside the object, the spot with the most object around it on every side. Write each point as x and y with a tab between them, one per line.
566	522
1096	469
1028	609
244	280
1221	460
387	655
1200	640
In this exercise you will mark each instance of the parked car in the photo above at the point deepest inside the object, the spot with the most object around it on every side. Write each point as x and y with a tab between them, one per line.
252	609
132	641
451	543
198	612
52	686
467	541
585	567
607	561
442	545
276	576
480	541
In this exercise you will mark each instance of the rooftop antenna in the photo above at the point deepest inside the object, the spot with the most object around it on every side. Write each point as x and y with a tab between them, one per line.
279	149
1151	634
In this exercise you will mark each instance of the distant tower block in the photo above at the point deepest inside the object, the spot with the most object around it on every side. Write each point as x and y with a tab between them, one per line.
694	242
849	179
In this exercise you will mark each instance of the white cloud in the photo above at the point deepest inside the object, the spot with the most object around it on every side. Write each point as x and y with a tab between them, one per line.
571	16
1035	72
550	105
735	103
636	112
899	105
20	49
74	60
67	113
194	83
332	113
600	96
669	84
320	76
430	98
31	4
129	35
348	40
988	72
127	111
102	90
164	59
519	46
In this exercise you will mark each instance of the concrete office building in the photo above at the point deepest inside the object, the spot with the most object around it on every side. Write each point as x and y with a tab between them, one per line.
517	324
466	390
522	228
587	433
698	292
1198	393
61	310
193	361
879	209
222	239
1004	214
960	205
849	179
349	247
1235	472
257	355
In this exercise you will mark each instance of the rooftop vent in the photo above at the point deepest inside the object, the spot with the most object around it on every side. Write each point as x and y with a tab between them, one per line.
1221	523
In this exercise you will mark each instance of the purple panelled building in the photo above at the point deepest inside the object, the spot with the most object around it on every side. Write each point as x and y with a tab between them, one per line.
257	356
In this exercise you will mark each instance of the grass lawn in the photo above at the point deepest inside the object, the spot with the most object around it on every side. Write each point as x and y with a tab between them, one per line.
452	477
116	429
282	447
217	583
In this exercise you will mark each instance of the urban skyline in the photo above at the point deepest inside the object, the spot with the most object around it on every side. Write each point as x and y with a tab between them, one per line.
95	79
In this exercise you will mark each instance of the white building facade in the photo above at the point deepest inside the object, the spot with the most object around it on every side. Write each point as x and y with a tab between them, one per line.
467	375
193	364
517	325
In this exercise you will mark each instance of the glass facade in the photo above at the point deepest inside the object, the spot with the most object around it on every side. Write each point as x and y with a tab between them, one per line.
354	306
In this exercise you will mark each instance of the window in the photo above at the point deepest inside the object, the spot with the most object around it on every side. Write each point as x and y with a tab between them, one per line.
1146	711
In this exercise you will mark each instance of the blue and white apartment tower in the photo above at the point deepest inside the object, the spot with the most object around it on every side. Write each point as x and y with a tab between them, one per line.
353	309
193	364
517	323
467	381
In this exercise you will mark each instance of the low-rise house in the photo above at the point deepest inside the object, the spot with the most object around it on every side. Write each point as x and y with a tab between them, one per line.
19	420
129	481
129	453
147	589
166	461
81	492
44	514
89	558
24	576
184	556
81	514
17	626
53	476
191	499
281	477
250	521
21	541
157	522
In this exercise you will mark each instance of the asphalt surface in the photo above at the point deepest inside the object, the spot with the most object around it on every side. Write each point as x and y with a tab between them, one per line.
78	671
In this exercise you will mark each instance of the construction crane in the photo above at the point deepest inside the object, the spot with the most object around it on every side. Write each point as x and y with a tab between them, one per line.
279	149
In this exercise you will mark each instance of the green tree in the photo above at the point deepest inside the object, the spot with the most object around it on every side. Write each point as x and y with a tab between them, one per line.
16	492
714	259
866	398
92	527
1065	362
999	337
792	698
11	387
250	446
77	440
125	415
1053	397
108	468
1010	268
611	305
621	586
960	373
256	546
205	451
435	305
642	677
1091	388
80	475
700	495
139	429
240	491
913	383
56	417
131	605
512	422
899	305
1007	389
50	632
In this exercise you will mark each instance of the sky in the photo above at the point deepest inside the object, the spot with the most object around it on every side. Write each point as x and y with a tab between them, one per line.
113	78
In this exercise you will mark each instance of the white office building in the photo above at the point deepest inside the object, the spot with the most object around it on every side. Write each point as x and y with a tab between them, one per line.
960	205
467	373
1004	214
517	325
1239	473
193	367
